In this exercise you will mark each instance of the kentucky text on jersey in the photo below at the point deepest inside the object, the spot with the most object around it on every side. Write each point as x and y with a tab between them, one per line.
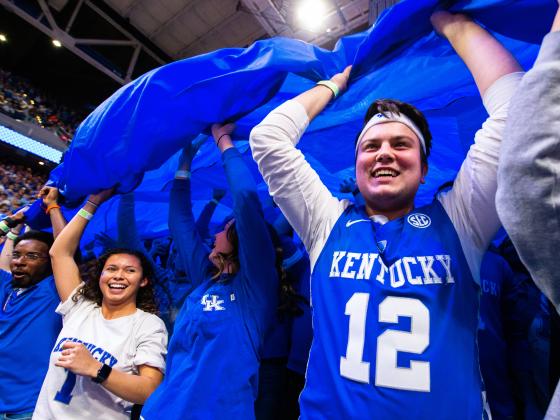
417	270
98	353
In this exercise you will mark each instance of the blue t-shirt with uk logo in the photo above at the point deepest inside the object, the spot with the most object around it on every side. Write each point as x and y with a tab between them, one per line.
214	352
29	326
395	313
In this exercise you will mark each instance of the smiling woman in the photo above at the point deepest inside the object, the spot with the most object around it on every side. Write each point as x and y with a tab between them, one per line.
111	351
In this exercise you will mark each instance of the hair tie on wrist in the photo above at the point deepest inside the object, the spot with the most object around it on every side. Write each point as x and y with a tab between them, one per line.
331	85
92	203
51	206
219	138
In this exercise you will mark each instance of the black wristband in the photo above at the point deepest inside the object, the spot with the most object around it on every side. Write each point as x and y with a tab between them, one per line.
102	374
11	223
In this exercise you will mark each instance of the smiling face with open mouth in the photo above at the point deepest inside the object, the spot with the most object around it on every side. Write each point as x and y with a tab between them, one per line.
120	280
389	168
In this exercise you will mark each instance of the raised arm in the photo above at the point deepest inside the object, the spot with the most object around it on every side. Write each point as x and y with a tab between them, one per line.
528	198
203	221
470	204
49	195
485	57
297	189
66	273
190	248
127	232
256	252
17	222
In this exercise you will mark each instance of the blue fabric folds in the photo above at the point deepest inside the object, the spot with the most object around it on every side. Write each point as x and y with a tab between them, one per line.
136	133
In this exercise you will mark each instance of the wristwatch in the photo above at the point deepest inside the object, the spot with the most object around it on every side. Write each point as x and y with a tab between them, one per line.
102	374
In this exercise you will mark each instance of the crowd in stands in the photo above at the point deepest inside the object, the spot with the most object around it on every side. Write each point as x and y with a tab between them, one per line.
21	100
19	186
235	303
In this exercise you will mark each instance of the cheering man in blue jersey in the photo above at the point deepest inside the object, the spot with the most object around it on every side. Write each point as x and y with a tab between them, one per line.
28	323
394	287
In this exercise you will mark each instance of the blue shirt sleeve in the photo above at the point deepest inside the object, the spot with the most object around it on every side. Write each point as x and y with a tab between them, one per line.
191	250
204	219
256	252
126	224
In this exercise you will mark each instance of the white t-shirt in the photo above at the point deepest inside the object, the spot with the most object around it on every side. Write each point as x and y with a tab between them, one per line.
123	343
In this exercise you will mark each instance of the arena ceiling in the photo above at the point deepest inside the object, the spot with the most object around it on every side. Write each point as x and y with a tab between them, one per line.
185	28
125	38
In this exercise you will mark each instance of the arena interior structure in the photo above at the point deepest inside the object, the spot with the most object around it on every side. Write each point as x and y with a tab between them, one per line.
97	93
75	54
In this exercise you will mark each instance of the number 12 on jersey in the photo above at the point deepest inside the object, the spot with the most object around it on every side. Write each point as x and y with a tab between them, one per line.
389	343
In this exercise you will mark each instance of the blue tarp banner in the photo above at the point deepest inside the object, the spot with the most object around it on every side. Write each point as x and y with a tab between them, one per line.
134	137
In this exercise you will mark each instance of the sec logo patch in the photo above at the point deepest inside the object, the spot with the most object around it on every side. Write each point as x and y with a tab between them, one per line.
419	220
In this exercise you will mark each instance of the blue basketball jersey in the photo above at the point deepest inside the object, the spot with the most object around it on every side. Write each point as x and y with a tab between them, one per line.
395	313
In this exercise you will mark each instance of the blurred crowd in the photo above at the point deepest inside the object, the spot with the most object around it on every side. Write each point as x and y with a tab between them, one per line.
19	186
21	100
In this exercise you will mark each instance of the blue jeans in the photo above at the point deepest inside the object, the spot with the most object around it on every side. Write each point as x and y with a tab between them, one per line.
23	416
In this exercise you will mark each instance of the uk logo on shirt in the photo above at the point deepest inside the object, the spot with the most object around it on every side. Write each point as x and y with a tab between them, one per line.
212	303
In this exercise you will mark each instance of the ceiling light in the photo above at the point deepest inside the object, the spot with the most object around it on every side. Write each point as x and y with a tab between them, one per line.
56	43
312	13
3	38
41	163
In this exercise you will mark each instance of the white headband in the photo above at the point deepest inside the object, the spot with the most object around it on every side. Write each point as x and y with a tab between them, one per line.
382	119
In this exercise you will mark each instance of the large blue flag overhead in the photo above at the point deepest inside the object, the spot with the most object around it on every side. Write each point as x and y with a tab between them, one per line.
132	139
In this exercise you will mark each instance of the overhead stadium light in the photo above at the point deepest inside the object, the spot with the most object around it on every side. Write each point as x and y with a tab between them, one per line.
311	13
56	43
3	38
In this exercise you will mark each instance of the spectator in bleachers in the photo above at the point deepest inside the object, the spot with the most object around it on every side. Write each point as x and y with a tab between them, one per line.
20	100
18	186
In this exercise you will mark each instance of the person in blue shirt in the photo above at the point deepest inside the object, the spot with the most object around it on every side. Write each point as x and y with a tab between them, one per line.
28	323
394	287
27	317
501	294
213	357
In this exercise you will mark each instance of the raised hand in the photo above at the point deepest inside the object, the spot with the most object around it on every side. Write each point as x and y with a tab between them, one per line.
341	79
448	24
218	193
49	195
102	196
222	135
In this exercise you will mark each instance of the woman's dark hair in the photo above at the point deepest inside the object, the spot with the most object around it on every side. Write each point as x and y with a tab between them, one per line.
233	257
91	273
288	298
393	106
